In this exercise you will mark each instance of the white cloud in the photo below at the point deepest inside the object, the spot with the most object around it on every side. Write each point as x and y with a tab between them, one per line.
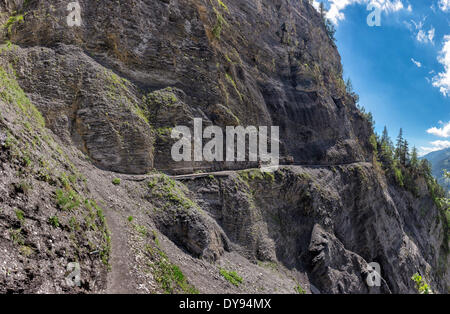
431	33
444	132
436	145
392	6
422	35
441	132
417	63
442	79
444	5
316	5
335	13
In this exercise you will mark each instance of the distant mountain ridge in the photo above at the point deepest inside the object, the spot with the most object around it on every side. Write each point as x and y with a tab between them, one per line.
440	161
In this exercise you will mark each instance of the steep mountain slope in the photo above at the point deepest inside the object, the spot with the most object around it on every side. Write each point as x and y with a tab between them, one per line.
440	161
109	92
48	217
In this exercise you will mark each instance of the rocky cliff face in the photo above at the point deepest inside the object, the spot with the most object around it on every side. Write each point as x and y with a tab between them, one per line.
109	92
266	62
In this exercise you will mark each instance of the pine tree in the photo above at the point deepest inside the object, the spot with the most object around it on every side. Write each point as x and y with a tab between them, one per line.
414	159
322	10
384	135
331	30
387	150
402	149
405	153
349	86
399	146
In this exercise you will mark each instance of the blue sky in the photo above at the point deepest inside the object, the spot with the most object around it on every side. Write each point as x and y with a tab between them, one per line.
400	69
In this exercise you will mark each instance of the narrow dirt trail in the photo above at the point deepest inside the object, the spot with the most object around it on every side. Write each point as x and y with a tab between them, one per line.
119	280
225	173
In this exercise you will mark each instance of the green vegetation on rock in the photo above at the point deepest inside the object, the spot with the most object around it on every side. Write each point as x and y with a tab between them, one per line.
168	275
231	276
166	189
67	199
421	286
13	94
220	22
13	19
300	290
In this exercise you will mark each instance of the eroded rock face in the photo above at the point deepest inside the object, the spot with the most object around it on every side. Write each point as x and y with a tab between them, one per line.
11	5
330	223
88	106
183	221
264	62
337	270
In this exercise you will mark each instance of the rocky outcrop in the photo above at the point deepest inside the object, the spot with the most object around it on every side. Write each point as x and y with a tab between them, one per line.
182	221
331	223
337	270
87	105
